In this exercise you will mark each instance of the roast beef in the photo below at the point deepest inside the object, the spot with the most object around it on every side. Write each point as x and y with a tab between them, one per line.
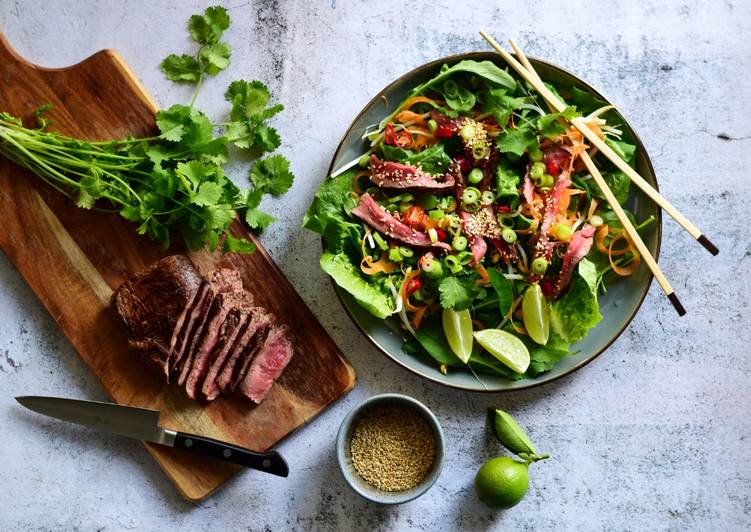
381	220
220	281
578	247
267	365
152	302
216	325
238	362
223	365
388	174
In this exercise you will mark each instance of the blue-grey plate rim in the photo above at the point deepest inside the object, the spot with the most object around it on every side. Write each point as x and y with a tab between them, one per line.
551	375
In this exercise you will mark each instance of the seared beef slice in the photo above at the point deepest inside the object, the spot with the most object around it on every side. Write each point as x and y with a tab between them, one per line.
216	326
220	281
267	365
151	304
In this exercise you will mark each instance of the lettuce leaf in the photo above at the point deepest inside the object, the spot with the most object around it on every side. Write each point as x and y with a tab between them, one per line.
371	296
487	70
578	310
618	182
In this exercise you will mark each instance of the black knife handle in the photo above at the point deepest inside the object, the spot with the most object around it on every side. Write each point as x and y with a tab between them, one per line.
270	462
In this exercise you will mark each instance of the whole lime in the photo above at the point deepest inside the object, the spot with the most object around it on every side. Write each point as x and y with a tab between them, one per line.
502	482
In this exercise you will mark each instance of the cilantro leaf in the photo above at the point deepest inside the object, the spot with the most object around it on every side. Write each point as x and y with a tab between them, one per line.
258	219
237	245
272	175
457	293
215	58
247	98
551	126
194	171
181	68
516	140
209	27
208	193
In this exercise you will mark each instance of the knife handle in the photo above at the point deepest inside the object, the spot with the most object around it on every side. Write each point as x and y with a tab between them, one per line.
270	462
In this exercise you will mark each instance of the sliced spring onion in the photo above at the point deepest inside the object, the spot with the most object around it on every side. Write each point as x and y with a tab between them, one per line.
433	234
487	197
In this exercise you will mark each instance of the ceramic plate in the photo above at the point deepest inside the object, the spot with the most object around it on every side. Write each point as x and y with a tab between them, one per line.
618	306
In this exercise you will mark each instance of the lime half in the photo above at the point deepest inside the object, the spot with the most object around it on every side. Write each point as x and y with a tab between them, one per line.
505	347
457	326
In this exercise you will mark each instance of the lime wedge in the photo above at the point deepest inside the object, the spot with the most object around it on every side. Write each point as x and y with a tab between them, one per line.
505	347
457	326
536	314
511	435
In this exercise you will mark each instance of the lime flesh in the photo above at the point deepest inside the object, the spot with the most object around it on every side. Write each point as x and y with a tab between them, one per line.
457	326
536	314
505	347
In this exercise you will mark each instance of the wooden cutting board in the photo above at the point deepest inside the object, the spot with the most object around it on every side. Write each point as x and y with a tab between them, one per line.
73	259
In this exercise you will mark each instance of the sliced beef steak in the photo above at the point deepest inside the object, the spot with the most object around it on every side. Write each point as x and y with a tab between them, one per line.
220	281
267	365
216	327
152	302
235	344
239	359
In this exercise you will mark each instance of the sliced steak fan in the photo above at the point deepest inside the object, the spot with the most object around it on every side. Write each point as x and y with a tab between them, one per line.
183	333
152	302
235	344
216	328
238	361
267	365
220	281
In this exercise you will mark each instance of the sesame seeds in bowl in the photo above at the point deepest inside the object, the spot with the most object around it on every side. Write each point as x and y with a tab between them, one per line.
390	449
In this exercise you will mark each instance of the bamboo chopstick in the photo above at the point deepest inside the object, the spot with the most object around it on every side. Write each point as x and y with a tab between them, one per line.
610	197
581	125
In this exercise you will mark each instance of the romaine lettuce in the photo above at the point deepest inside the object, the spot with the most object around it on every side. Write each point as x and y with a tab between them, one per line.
578	310
371	296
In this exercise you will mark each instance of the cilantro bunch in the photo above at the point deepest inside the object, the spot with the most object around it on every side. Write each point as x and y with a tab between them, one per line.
173	182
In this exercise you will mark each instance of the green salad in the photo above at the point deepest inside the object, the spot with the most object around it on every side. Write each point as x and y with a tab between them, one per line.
471	219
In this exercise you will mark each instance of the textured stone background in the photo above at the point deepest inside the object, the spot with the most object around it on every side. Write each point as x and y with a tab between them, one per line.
654	434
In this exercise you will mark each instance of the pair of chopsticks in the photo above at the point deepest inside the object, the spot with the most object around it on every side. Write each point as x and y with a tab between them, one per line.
527	71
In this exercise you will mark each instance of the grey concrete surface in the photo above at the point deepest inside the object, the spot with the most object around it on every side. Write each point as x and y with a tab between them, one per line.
654	434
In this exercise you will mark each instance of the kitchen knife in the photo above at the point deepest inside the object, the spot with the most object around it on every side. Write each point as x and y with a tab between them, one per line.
143	424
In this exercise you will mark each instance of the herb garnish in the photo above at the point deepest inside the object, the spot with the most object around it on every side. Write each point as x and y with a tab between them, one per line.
174	181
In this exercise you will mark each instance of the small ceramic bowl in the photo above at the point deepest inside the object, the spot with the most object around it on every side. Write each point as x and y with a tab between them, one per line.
344	445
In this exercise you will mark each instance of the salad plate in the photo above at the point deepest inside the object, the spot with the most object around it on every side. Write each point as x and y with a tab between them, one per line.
618	305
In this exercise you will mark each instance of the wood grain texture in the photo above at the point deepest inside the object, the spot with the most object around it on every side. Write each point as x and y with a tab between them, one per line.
74	259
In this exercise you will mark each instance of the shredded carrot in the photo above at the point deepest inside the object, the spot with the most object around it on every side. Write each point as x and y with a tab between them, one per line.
382	265
403	291
417	318
518	328
420	99
484	277
600	236
409	116
628	270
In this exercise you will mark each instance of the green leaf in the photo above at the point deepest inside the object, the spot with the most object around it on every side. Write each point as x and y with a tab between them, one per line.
516	140
371	296
258	219
208	194
433	160
194	171
247	98
504	290
328	202
216	57
457	293
457	97
433	340
171	122
553	125
578	310
501	105
272	175
237	245
486	70
181	68
84	200
618	182
131	212
208	29
218	217
624	150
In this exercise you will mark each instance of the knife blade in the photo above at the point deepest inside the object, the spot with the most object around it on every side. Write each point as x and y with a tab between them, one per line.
143	424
